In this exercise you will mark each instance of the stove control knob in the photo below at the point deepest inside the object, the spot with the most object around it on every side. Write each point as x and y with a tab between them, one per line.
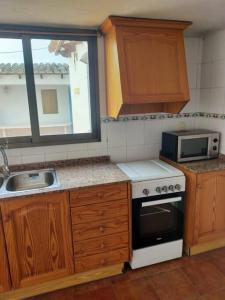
158	190
178	187
165	189
171	188
146	192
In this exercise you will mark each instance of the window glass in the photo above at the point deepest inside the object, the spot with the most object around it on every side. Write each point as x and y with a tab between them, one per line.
14	109
61	67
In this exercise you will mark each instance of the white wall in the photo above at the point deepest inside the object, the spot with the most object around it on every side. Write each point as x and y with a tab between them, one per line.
124	140
212	98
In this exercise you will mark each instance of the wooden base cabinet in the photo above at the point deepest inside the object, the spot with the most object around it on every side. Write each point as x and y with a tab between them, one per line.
204	211
100	226
38	238
5	282
56	240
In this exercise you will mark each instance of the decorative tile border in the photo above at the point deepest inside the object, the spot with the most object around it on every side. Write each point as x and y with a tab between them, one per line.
161	116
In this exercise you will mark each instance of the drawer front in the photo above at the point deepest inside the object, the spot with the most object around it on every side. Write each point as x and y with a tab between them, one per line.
102	244
101	211
98	194
100	228
101	260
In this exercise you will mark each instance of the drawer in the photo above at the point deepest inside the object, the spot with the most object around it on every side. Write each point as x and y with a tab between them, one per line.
101	260
100	211
98	194
99	228
102	244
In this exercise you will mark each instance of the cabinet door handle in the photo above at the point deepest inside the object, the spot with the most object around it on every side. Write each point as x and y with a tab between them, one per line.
101	228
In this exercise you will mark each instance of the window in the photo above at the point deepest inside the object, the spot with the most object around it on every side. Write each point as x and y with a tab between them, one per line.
49	101
48	86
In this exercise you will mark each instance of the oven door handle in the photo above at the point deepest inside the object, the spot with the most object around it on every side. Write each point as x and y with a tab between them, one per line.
156	202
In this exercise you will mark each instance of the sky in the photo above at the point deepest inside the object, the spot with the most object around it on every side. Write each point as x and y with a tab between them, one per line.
39	52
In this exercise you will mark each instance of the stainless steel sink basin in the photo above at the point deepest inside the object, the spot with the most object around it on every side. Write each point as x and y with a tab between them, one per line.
29	180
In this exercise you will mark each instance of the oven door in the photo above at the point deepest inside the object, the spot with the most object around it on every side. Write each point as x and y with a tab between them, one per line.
157	219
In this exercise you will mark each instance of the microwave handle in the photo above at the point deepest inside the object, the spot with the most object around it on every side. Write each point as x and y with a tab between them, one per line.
157	202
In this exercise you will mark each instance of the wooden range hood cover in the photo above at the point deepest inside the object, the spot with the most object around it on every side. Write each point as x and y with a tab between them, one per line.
145	65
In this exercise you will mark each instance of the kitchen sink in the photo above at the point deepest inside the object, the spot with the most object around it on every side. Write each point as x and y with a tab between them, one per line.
1	181
29	180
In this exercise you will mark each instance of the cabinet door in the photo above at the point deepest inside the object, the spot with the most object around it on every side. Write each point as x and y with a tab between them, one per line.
4	270
38	238
205	205
152	64
220	203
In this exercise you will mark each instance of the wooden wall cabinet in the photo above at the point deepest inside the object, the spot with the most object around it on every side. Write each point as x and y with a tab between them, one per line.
38	238
145	65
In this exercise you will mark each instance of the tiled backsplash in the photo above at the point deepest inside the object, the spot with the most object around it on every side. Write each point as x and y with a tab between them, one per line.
137	137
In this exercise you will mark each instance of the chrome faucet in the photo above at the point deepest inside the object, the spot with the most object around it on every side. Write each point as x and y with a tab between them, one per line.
4	169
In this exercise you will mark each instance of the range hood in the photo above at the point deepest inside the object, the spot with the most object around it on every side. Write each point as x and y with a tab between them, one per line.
145	65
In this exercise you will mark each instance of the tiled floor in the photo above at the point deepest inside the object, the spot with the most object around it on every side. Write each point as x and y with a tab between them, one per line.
200	277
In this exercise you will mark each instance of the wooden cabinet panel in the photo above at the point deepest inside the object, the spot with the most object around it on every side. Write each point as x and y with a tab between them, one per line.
38	238
101	260
145	65
153	65
5	282
102	244
100	228
98	194
95	212
220	203
205	204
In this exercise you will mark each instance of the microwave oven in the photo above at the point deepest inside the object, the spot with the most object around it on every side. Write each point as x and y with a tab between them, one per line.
190	145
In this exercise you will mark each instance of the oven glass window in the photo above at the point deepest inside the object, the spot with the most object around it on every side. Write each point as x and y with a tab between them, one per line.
158	223
194	147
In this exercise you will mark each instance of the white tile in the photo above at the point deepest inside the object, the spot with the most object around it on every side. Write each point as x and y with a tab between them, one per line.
205	100
217	104
153	131
14	160
116	134
55	156
218	73
135	133
135	152
206	75
192	70
97	152
117	154
77	154
193	49
193	104
26	159
152	151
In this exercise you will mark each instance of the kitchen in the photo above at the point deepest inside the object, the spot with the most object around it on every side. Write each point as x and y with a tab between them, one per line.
81	196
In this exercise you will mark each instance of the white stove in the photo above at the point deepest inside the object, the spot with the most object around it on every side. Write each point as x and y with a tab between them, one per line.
157	211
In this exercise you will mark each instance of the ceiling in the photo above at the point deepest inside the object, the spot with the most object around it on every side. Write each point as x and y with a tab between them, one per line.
205	14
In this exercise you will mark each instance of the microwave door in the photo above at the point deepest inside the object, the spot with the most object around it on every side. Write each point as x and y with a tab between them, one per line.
193	147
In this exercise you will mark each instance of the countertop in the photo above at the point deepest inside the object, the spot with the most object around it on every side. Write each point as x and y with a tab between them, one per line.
202	166
75	174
